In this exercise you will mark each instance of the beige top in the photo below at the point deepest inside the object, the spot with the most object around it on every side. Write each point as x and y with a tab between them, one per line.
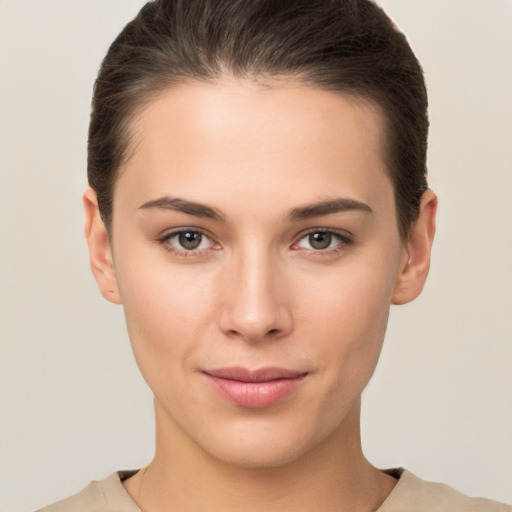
410	494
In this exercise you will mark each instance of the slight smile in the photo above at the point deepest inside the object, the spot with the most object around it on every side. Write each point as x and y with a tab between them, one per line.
255	389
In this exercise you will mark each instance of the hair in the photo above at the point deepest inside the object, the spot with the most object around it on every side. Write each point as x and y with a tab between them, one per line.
345	46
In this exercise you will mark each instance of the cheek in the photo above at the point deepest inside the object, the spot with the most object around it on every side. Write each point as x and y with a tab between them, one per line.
167	310
348	317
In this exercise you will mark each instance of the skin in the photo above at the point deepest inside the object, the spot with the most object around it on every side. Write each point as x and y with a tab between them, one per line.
257	292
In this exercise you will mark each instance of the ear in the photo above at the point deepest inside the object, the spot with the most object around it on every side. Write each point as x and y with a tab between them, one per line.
418	245
100	251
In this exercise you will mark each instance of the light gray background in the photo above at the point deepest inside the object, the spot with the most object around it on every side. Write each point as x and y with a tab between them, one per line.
73	406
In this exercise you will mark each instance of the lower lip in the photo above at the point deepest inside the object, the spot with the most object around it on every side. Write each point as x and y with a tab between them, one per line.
255	395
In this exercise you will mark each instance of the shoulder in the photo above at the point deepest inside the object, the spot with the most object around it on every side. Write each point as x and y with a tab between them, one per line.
106	495
413	493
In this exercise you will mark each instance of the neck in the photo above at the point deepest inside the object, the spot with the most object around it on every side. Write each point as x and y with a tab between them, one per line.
333	476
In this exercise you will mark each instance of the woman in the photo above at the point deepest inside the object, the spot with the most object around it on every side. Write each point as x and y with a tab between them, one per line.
258	201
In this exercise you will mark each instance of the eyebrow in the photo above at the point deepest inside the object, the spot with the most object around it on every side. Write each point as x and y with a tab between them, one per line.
327	208
309	211
184	206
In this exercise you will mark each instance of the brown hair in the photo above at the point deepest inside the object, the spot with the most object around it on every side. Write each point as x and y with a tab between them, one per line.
348	46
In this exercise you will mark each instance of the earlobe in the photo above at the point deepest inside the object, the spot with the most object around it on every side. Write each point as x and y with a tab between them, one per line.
418	246
100	251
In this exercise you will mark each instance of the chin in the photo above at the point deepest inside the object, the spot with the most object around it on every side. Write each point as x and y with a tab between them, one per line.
263	444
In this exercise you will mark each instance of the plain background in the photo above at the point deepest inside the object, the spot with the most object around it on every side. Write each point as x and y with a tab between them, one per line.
73	405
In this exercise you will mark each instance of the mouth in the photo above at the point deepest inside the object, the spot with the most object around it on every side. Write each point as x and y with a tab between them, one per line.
255	389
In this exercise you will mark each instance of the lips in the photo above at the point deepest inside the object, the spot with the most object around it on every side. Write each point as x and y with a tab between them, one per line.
255	389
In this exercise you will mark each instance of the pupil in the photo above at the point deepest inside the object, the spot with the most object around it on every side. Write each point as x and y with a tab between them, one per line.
189	240
320	240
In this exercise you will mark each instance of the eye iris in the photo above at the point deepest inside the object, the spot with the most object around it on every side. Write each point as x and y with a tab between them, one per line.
190	240
320	240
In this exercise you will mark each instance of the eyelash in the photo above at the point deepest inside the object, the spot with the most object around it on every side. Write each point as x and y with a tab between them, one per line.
343	238
165	242
343	241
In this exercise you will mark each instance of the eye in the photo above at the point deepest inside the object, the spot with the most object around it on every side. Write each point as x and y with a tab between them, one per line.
187	241
322	241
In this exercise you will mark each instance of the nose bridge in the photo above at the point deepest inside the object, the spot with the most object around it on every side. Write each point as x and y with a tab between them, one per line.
255	305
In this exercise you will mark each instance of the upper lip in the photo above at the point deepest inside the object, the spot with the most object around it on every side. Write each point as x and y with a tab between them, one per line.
259	375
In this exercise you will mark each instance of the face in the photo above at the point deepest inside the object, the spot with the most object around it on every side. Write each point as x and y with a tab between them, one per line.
256	254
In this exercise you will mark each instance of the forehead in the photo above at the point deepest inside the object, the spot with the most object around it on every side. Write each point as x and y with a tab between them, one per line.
273	139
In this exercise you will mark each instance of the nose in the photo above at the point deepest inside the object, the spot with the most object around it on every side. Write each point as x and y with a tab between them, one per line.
256	303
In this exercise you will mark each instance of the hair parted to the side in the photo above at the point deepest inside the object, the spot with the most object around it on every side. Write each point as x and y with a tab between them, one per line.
348	46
